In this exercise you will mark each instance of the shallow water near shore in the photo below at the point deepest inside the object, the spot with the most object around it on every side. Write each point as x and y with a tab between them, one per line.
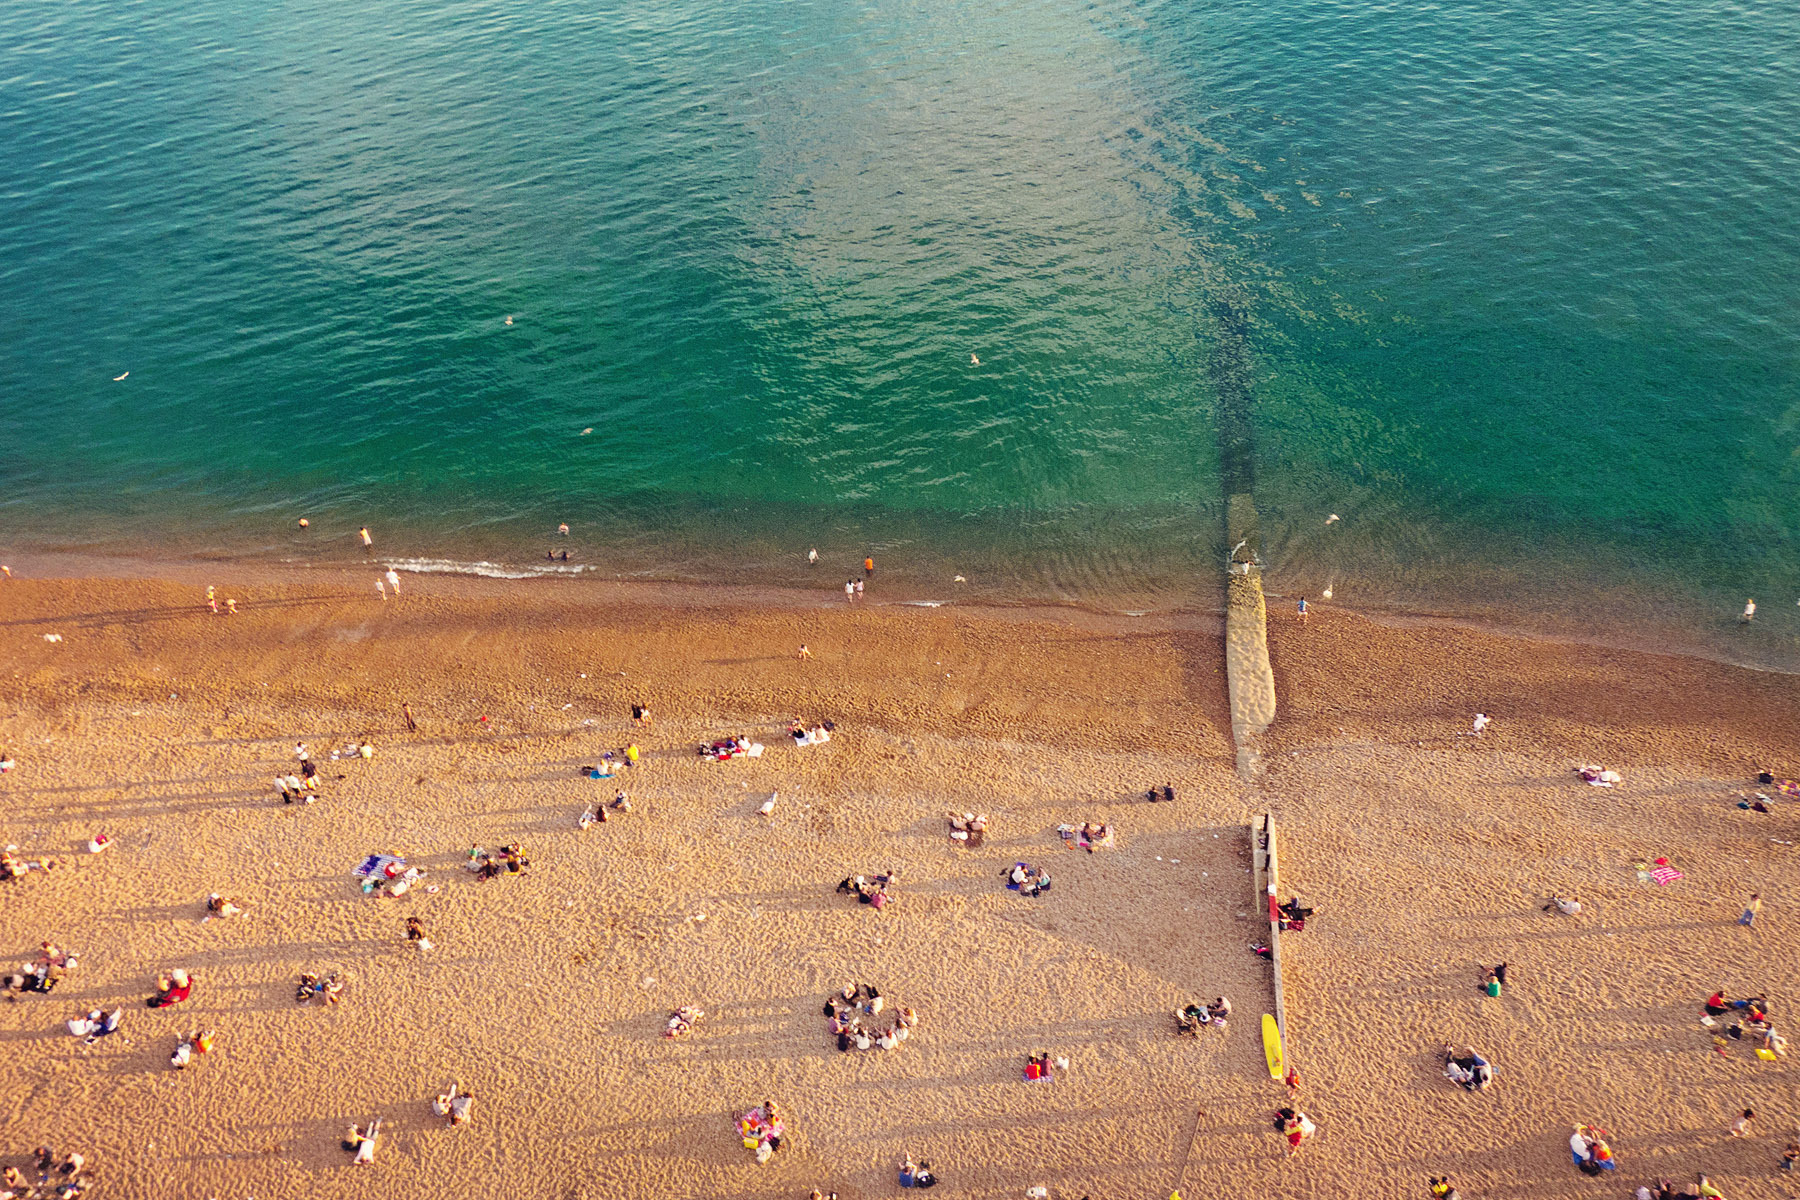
1506	289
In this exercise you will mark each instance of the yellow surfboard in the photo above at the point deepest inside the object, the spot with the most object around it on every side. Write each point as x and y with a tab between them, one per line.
1272	1048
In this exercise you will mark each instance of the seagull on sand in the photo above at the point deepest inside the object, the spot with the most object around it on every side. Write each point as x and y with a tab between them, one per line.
120	378
768	806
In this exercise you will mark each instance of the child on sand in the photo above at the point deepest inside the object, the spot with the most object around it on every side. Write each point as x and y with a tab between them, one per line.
1741	1126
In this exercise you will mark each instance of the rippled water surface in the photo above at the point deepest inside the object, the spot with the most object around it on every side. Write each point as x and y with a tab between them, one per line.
1510	287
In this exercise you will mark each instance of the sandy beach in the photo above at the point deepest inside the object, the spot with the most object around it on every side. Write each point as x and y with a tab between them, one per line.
1426	852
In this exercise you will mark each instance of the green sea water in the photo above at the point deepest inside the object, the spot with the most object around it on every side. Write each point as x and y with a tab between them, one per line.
1511	288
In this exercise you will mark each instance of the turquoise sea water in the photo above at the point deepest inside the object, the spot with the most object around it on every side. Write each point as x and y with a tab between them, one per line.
1513	288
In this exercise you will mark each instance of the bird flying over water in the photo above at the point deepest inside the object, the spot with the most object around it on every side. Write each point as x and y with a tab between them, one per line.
119	378
975	359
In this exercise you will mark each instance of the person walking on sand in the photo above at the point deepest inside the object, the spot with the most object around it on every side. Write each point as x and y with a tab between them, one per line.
381	589
230	607
393	578
412	726
1300	610
212	598
1751	909
1480	724
363	533
804	652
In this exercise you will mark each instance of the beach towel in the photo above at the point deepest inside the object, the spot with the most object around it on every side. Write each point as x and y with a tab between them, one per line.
377	864
1664	876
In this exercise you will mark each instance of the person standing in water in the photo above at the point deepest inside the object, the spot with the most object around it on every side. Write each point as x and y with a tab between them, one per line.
812	557
869	568
363	533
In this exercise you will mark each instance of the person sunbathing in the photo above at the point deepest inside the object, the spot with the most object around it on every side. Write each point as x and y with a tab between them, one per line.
219	906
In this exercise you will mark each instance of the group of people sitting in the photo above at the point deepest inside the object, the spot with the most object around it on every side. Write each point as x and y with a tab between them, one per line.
762	1129
682	1021
602	811
1295	1125
1750	1019
171	989
1038	1067
873	892
455	1106
194	1043
360	1142
1167	794
1587	1146
62	1180
327	988
1599	776
731	747
1469	1069
844	1012
1028	880
507	860
817	735
967	829
387	874
219	906
1192	1018
14	867
1087	835
916	1174
1291	917
43	972
96	1025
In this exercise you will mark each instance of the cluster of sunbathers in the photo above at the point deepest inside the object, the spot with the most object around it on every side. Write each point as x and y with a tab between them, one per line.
507	860
1087	835
967	829
817	735
1750	1020
731	747
1028	880
602	812
682	1021
873	892
845	1009
326	988
1193	1018
1469	1069
42	973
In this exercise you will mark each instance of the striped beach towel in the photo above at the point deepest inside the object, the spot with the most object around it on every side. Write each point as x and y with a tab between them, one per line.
1664	876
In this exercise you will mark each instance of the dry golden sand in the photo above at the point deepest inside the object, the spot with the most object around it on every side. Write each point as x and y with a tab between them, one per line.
1426	852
